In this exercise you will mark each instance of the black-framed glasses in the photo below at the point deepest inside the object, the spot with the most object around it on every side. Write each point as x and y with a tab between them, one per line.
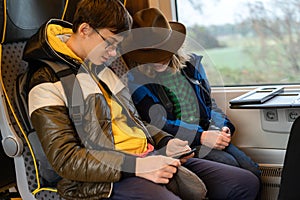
110	46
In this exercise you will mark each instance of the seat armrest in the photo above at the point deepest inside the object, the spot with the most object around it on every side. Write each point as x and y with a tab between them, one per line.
11	142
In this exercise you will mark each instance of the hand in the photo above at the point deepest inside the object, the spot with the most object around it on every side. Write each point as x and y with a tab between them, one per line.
158	169
176	146
216	139
226	130
184	159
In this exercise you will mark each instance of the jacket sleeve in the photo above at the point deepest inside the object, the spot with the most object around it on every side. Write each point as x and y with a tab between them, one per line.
155	114
219	118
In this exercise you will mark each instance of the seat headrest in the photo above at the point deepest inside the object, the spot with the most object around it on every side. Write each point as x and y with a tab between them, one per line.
23	18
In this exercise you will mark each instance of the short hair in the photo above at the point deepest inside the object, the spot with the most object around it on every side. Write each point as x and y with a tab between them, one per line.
102	14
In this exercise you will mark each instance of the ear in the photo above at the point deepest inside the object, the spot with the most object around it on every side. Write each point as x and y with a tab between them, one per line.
85	30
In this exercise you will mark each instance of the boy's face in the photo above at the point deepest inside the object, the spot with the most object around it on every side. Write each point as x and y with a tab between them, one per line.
105	46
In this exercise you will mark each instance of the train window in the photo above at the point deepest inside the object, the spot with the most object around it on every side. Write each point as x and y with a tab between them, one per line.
246	42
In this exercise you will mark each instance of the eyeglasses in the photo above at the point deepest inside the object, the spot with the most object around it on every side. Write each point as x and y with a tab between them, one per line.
110	46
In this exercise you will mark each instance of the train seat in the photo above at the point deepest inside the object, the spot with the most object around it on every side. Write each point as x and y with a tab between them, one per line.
19	20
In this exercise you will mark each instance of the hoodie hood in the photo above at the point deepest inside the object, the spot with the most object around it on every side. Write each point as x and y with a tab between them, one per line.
48	44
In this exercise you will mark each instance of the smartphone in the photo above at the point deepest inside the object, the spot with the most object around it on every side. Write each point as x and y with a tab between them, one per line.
183	154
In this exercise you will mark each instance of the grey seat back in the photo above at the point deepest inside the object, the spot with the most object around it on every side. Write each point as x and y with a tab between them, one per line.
19	20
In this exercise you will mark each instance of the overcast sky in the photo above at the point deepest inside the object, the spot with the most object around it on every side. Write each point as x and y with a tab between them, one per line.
225	11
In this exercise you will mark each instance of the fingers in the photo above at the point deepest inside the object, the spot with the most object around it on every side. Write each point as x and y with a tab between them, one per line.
167	161
226	129
225	137
222	142
169	169
157	177
220	146
176	146
158	169
184	159
216	139
175	163
164	174
181	143
226	132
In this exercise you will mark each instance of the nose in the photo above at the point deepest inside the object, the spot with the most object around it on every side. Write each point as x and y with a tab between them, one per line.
112	53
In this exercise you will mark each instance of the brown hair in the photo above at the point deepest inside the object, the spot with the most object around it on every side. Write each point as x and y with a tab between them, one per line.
102	14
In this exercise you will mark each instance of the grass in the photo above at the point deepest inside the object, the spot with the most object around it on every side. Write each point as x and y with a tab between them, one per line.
233	57
242	63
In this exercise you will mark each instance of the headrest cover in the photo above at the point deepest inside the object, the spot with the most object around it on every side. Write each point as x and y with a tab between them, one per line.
23	18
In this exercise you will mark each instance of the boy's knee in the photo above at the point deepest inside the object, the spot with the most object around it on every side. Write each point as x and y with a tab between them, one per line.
247	187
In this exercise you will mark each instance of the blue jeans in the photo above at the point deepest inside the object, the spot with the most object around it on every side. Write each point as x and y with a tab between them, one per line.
222	182
231	155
